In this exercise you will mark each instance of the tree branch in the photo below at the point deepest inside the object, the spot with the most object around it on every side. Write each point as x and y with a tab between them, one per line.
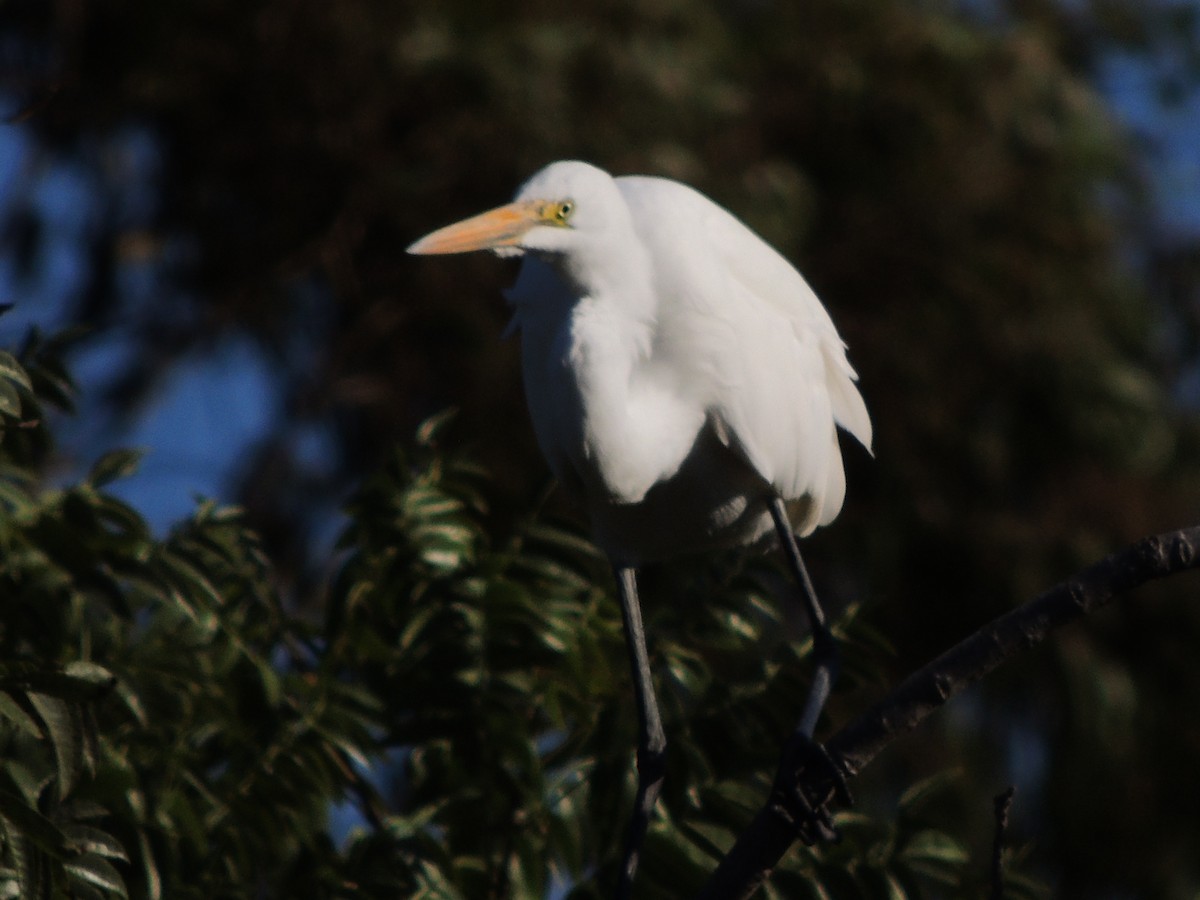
764	841
1002	805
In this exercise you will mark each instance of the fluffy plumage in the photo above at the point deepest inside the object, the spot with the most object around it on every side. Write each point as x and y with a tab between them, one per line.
677	368
679	371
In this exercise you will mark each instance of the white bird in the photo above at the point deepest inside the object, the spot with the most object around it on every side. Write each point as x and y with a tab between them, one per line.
684	382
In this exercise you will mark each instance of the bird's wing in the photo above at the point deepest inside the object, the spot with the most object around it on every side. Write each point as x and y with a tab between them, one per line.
749	335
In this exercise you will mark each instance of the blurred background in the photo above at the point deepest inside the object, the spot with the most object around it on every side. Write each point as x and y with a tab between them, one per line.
999	202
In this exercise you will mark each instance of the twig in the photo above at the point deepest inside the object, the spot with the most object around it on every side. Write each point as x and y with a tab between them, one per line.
1002	804
764	841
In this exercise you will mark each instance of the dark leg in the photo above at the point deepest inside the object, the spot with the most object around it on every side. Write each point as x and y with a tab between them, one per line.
652	741
801	750
825	650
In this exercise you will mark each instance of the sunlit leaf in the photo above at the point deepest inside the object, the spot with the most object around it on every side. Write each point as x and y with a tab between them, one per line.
152	878
98	871
62	723
10	400
88	839
13	371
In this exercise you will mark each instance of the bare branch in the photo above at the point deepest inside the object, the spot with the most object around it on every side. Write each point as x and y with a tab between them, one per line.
760	846
1002	806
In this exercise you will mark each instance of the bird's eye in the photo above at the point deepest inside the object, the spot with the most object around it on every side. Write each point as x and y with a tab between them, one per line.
563	211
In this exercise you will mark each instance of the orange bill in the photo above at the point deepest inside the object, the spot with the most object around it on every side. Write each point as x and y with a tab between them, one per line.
501	227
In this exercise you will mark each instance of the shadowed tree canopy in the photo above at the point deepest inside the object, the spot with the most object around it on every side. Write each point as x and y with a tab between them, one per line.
952	185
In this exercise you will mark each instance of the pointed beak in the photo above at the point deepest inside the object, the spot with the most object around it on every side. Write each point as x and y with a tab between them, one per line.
495	229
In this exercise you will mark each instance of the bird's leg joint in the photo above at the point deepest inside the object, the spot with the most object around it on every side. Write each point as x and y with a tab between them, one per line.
809	817
826	651
652	761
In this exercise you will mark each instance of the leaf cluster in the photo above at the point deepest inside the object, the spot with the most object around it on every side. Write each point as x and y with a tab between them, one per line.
161	735
169	729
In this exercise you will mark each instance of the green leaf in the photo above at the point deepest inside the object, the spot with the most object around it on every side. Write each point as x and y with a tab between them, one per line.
895	890
936	846
13	370
10	400
87	839
121	517
12	711
149	866
426	501
428	430
16	488
192	590
85	672
52	383
62	722
31	824
115	465
927	789
936	855
77	810
96	870
32	867
562	539
269	679
30	784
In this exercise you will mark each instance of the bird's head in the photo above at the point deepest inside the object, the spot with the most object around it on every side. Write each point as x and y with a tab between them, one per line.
554	211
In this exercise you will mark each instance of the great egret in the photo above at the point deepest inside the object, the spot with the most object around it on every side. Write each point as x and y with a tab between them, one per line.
684	382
